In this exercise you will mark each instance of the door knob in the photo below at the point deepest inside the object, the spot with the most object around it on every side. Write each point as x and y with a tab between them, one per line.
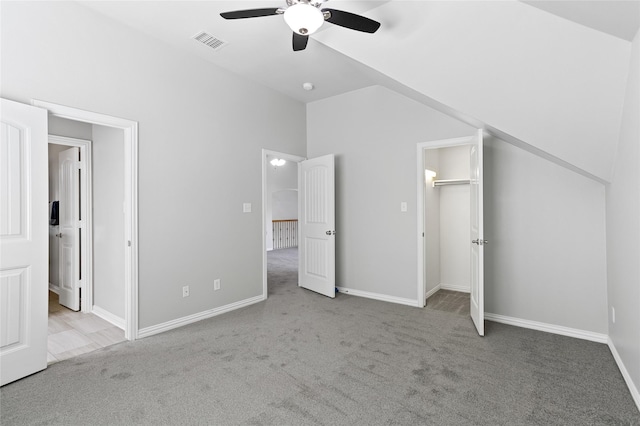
479	242
59	235
330	232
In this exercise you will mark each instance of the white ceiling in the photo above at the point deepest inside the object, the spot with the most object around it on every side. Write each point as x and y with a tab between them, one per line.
619	18
260	48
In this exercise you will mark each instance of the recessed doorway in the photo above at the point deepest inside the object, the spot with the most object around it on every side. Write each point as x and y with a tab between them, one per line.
279	217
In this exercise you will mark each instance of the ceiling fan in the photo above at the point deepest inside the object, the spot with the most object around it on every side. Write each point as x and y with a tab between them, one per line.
305	17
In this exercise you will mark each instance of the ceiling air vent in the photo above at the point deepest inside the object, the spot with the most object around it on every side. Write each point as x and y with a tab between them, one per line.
209	40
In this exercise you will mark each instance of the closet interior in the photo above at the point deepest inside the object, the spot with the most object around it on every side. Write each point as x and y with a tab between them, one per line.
447	228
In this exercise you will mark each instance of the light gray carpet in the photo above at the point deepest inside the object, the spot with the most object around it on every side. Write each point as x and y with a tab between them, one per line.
300	358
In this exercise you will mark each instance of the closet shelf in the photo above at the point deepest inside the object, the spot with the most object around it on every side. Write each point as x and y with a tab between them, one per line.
444	182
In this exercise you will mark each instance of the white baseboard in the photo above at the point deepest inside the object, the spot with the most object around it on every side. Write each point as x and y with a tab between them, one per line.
432	291
170	325
54	288
108	316
382	297
454	287
633	389
549	328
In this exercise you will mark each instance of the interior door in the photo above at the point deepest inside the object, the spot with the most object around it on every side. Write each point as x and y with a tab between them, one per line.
316	222
477	235
69	213
24	237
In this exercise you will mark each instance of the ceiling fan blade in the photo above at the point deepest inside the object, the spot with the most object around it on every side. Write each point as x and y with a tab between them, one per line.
250	13
299	42
352	21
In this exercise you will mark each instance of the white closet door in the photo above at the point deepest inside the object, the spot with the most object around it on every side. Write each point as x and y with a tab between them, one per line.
477	235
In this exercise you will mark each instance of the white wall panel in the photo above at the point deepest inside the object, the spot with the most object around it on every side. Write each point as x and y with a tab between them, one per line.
14	285
13	176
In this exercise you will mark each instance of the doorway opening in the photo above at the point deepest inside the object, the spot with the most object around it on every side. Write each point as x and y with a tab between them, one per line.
450	241
125	192
279	216
447	228
76	323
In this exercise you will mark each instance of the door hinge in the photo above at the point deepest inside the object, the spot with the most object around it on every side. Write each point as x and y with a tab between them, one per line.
128	243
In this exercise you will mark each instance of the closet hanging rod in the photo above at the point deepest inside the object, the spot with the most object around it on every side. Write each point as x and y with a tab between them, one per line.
445	182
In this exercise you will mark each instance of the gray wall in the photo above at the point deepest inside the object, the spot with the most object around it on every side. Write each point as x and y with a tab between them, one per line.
546	257
69	128
373	134
623	230
199	157
108	220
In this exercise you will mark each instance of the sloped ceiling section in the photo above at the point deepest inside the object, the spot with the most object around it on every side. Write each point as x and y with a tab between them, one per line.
551	83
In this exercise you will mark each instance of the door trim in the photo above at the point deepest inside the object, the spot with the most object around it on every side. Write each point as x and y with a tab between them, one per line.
130	129
421	146
265	164
86	240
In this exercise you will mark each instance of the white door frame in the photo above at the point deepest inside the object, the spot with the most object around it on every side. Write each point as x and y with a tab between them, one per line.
265	165
444	143
130	129
86	204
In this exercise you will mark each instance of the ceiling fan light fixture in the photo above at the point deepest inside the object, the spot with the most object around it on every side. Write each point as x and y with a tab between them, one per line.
278	162
303	18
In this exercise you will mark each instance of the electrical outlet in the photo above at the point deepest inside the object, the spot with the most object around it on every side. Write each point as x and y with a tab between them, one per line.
613	314
185	291
216	284
403	207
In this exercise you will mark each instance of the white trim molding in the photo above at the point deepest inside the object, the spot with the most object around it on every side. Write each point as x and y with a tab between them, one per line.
432	292
130	129
456	287
179	322
633	389
549	328
382	297
108	316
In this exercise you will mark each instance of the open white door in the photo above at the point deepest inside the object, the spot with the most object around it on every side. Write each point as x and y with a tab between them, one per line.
316	225
477	235
24	262
70	275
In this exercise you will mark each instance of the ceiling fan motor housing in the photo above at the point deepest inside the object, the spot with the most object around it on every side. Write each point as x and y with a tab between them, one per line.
303	17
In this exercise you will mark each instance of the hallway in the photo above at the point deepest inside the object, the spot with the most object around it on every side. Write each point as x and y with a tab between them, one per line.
76	333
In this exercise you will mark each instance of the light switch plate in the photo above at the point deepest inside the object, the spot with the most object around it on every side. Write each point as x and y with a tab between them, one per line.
403	206
246	208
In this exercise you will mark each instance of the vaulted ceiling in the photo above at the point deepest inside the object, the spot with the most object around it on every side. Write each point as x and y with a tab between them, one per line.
549	75
260	48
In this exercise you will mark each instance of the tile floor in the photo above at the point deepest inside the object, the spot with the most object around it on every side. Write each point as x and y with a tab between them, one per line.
75	333
450	301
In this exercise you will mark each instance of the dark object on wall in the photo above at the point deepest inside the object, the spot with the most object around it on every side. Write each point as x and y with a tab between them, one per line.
54	214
